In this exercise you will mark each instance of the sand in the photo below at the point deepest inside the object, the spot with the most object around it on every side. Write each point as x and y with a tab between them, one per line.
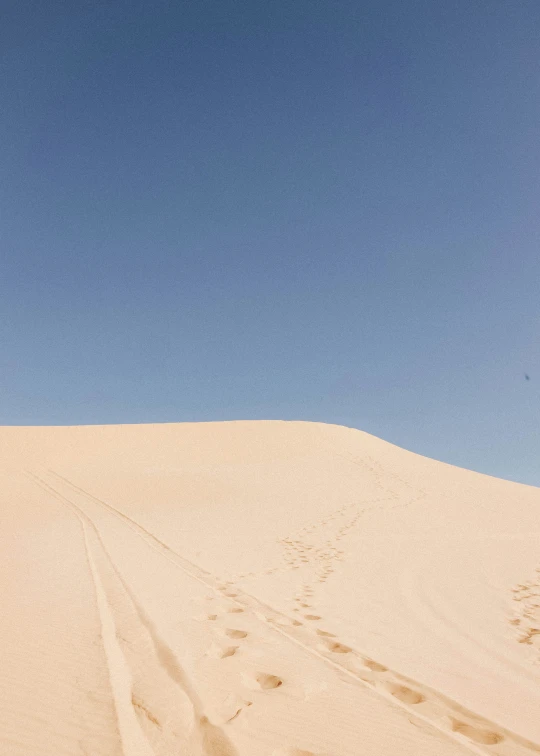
262	589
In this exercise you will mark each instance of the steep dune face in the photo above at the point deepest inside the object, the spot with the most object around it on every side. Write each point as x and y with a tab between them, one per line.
259	588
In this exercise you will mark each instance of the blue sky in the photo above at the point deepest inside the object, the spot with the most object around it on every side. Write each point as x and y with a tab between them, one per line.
300	210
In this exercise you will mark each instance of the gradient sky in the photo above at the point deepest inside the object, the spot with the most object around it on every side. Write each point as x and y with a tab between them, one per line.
302	210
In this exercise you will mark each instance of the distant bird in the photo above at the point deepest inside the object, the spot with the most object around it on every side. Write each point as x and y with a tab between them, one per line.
527	377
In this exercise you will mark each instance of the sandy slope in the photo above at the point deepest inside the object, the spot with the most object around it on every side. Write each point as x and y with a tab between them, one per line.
262	588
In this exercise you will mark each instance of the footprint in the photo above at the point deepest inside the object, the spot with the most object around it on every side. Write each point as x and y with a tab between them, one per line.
228	651
262	681
312	617
235	610
324	634
230	594
211	617
217	652
231	633
374	666
237	712
478	734
404	694
286	622
338	648
230	709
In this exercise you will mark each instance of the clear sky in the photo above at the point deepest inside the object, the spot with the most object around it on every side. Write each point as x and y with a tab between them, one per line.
294	209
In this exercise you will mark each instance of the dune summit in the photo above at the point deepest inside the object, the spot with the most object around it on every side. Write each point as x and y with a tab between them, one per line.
262	589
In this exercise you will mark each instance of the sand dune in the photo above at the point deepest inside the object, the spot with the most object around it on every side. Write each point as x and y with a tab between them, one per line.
262	589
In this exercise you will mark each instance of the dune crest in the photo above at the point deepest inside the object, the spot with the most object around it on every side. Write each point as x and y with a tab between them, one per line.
258	588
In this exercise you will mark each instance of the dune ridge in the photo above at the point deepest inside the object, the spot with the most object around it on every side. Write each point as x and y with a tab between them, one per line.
262	588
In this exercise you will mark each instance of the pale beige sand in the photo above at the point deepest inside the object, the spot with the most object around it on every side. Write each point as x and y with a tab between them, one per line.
262	589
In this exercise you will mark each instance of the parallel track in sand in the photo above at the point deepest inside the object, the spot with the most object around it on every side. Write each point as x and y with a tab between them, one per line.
445	716
204	738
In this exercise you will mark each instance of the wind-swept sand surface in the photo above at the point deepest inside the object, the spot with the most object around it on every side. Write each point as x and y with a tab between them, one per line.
262	589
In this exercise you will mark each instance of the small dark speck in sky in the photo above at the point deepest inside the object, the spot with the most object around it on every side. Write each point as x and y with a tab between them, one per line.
527	377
